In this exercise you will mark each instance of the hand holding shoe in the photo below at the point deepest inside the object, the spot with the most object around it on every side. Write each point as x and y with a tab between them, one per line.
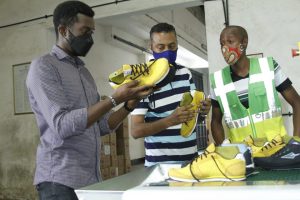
131	90
204	107
181	115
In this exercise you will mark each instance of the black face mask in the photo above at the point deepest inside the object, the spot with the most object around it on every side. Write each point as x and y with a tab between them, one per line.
80	45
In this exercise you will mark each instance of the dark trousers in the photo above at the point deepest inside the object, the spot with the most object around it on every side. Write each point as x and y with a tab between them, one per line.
55	191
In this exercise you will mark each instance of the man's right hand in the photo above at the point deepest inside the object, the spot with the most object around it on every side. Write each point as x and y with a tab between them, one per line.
131	90
181	114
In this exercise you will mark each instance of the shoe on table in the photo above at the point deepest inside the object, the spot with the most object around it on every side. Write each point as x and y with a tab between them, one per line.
224	164
193	97
288	157
206	184
158	72
246	151
265	149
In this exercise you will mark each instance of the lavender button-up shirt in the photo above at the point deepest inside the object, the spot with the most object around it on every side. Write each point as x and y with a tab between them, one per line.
60	90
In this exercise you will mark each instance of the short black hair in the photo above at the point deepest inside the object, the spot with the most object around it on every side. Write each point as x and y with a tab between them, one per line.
66	13
162	27
239	31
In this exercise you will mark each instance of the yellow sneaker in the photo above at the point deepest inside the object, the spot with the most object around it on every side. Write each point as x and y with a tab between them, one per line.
224	164
207	184
220	183
194	97
264	149
153	72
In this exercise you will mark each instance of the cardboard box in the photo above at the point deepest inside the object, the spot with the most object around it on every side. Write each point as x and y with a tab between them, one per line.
113	138
113	160
105	161
105	149
121	171
113	172
113	149
105	139
105	173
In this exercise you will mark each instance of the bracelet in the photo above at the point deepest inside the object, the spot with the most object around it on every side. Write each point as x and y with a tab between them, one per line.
127	108
113	101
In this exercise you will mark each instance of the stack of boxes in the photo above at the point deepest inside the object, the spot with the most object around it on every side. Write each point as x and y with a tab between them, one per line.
114	155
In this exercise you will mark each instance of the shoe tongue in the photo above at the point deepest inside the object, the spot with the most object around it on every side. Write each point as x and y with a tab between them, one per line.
211	148
228	152
249	140
127	70
255	141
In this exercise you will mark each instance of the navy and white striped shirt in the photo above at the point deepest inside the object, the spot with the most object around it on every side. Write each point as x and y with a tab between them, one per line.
60	90
167	146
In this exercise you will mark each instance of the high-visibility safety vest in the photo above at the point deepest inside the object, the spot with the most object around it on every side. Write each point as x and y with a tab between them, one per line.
263	118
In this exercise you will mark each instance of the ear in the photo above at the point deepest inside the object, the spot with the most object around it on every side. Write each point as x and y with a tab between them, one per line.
149	44
245	43
62	30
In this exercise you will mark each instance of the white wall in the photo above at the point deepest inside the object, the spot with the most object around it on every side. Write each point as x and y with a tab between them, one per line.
273	29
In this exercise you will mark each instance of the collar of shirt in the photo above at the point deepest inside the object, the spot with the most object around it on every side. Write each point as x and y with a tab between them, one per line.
61	54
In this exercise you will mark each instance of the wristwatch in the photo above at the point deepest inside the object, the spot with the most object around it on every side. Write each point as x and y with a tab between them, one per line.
113	101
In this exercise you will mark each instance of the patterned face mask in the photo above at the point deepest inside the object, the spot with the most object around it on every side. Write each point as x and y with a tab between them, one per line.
232	55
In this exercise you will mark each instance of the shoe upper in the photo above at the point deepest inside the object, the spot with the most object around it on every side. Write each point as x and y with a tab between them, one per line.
246	152
212	165
287	157
267	149
149	73
194	97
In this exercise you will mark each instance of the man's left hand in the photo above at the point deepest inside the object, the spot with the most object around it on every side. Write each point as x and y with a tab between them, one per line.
205	106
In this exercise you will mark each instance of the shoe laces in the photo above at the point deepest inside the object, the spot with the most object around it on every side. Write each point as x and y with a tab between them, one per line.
271	145
140	69
202	156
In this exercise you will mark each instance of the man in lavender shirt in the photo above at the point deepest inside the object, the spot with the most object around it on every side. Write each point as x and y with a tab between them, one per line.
67	107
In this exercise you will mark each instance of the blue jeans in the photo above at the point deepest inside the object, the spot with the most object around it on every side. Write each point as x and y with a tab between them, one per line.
55	191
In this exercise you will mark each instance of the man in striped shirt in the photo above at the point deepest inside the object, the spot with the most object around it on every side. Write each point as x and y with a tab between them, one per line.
234	41
158	118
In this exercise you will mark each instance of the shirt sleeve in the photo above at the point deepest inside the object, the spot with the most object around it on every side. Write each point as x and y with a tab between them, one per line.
49	102
142	107
192	84
281	80
103	124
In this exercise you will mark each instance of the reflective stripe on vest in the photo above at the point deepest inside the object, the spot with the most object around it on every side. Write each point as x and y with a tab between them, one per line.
259	117
264	103
266	76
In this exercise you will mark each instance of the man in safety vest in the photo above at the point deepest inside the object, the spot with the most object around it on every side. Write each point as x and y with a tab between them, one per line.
245	93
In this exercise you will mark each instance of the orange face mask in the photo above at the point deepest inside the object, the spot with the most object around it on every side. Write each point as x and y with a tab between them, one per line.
231	55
